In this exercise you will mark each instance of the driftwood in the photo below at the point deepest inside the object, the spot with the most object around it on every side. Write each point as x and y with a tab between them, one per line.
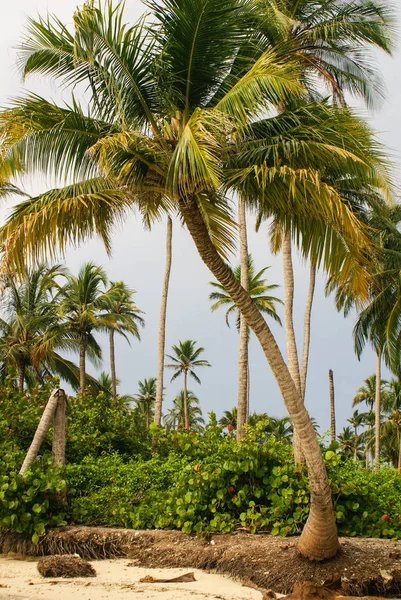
187	578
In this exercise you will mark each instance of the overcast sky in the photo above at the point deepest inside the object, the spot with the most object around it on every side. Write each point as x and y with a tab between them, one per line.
138	259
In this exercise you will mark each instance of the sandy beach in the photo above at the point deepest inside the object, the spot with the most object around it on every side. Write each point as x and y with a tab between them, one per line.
115	580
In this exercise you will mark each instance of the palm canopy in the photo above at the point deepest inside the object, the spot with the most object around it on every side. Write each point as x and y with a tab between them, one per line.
175	418
367	392
186	359
178	113
258	291
119	311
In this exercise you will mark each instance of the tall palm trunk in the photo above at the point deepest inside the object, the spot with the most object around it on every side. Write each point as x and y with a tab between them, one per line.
378	409
356	443
113	364
242	414
332	407
82	364
307	328
162	324
186	419
292	353
21	377
319	539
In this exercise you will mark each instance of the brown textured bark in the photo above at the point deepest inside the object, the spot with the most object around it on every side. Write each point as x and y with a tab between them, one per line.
41	432
378	409
332	408
162	325
292	352
186	419
319	538
113	364
82	365
307	328
60	430
242	412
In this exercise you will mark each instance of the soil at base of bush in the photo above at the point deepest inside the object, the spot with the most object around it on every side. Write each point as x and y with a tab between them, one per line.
363	567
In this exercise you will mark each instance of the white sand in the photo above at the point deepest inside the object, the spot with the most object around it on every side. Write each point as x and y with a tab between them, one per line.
20	580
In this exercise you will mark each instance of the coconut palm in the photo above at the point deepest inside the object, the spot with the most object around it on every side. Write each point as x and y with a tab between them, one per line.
32	333
356	421
229	419
180	116
184	362
185	410
259	291
348	442
391	426
83	299
120	315
145	399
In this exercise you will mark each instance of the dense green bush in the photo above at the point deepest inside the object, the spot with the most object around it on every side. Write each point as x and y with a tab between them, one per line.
197	482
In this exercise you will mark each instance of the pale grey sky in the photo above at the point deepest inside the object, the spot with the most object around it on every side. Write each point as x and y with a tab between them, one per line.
138	259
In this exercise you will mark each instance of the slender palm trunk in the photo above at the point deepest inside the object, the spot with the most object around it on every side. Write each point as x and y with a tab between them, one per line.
162	324
82	365
113	364
332	408
367	449
147	417
292	352
356	443
378	409
242	415
248	391
21	377
186	419
41	432
399	451
60	430
319	539
307	328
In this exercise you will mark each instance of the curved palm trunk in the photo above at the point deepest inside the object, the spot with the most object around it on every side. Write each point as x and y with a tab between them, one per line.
292	352
332	408
21	377
113	364
319	538
242	414
162	325
307	328
377	410
82	365
186	419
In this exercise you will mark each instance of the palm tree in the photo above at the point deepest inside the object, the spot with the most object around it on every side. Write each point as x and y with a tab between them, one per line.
184	361
331	54
391	427
332	407
145	398
356	421
259	292
32	333
369	394
180	138
162	324
348	442
83	299
120	315
229	419
185	410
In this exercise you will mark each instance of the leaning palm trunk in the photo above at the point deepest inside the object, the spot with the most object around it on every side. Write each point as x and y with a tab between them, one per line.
307	328
319	539
242	414
113	364
162	325
377	410
332	407
41	431
292	353
82	365
186	419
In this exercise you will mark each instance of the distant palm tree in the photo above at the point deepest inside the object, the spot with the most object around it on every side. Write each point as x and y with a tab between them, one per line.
349	443
368	394
184	361
83	299
185	410
391	426
260	294
32	332
120	315
229	419
145	399
356	421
